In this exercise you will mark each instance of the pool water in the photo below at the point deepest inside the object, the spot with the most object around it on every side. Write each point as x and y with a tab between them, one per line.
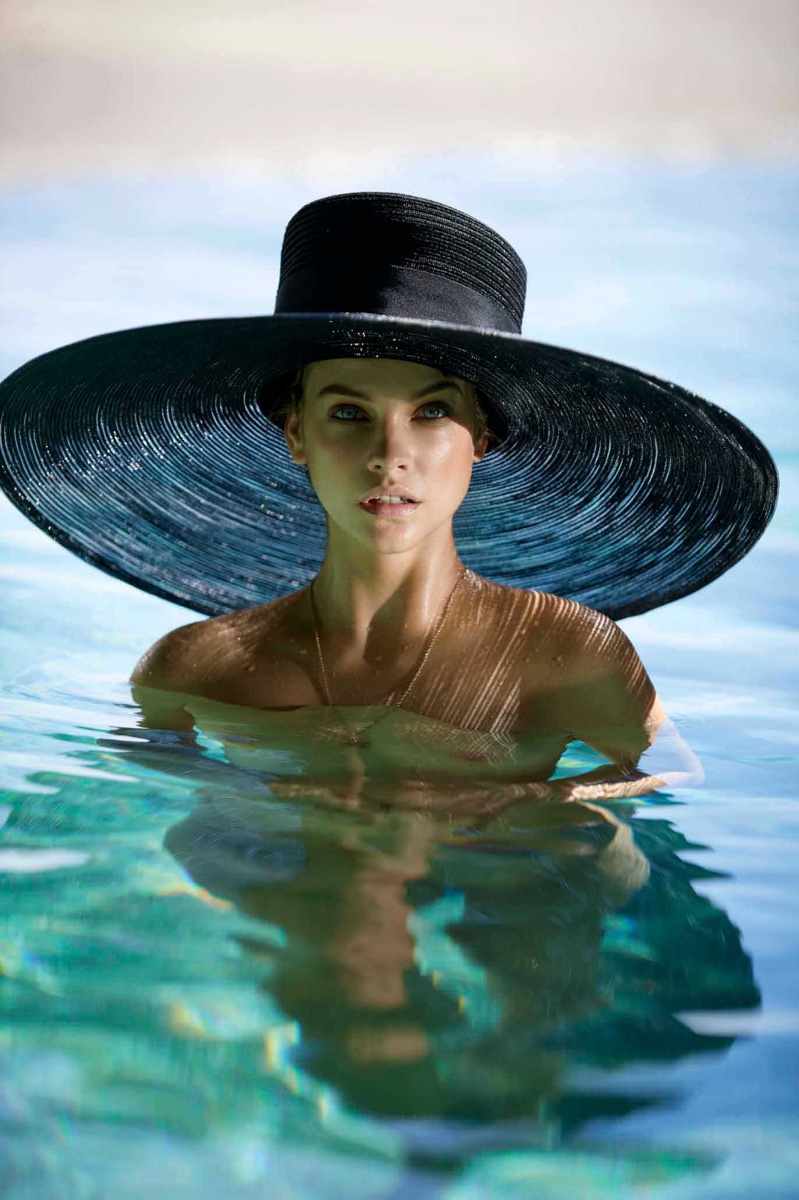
215	978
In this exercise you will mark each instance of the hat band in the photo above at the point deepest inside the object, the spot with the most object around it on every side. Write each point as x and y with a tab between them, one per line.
394	292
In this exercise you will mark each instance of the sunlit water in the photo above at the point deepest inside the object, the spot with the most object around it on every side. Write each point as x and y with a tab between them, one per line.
216	978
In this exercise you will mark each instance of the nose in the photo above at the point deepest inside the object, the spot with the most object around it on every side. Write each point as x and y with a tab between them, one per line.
389	450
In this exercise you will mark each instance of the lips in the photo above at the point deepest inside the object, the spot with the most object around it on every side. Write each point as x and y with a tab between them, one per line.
389	493
388	504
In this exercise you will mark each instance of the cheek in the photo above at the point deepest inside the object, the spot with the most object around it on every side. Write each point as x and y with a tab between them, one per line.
331	463
446	472
455	460
443	459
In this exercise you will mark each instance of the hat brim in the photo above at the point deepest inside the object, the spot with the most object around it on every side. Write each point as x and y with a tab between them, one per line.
147	453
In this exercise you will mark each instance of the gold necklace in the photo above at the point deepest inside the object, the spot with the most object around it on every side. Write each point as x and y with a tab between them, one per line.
354	737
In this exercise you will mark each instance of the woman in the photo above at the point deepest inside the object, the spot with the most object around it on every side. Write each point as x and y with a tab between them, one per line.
397	334
393	619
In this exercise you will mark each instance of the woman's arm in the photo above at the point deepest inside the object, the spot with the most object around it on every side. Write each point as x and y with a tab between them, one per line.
666	762
605	698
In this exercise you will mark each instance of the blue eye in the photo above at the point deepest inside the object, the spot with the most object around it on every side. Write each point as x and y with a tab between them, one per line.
434	412
346	412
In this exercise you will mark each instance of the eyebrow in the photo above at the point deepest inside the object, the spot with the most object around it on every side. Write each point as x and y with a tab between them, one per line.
340	389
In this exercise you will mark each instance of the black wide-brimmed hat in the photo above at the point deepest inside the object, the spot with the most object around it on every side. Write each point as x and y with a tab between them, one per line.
152	454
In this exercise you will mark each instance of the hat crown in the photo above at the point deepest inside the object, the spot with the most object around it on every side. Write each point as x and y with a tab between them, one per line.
397	255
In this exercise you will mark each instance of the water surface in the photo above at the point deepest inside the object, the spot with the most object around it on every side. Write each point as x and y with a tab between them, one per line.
216	974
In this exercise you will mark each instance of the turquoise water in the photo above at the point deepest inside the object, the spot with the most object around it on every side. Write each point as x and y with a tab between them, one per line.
608	1007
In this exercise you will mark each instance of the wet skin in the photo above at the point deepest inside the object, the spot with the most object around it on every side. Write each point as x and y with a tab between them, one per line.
511	679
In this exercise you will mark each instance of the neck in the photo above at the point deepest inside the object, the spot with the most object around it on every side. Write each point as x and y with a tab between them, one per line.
392	597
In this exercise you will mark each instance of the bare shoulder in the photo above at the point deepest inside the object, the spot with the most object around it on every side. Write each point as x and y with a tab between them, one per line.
581	638
170	662
179	659
194	658
579	669
588	642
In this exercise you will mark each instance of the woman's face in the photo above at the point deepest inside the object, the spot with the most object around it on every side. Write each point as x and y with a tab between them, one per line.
370	428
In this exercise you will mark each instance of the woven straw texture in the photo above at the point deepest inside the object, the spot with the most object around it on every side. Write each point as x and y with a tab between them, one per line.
147	453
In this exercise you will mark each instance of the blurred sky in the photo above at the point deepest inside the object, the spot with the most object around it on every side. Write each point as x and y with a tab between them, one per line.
141	85
641	155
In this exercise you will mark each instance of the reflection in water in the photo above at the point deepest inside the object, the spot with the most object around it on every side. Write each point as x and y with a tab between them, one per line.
423	969
438	961
476	982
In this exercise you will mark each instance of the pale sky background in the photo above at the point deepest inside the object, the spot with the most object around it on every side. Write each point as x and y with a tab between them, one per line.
127	86
641	155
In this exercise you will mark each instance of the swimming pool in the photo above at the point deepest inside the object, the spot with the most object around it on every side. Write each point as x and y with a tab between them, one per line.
213	981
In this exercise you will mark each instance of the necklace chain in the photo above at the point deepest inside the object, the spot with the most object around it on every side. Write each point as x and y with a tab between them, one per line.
353	738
